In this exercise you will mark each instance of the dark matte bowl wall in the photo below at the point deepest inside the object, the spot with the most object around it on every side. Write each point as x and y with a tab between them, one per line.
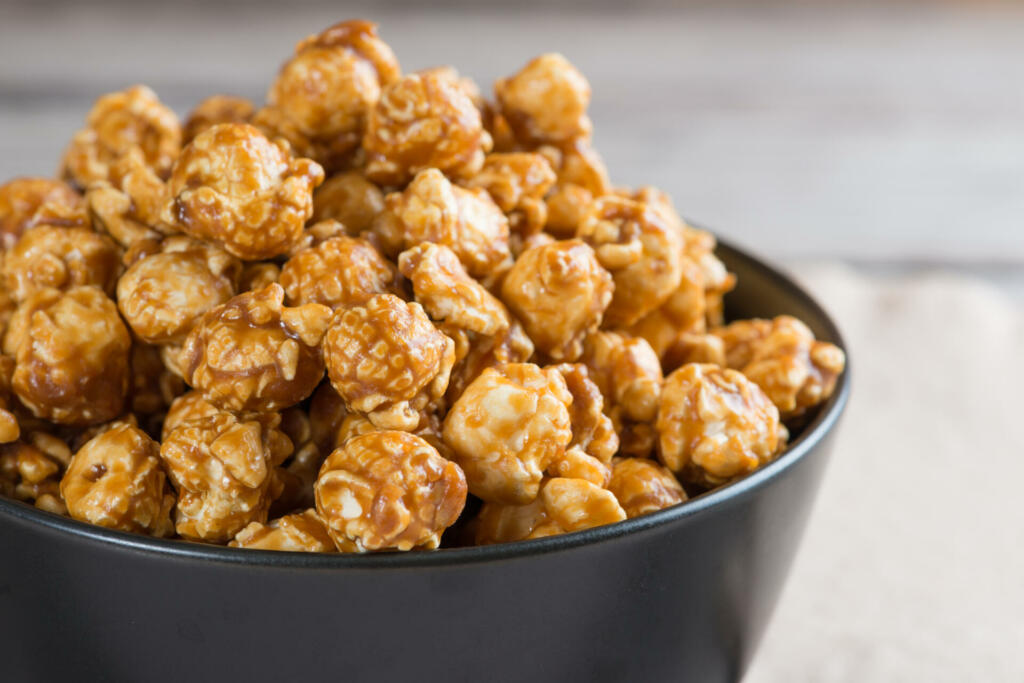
683	594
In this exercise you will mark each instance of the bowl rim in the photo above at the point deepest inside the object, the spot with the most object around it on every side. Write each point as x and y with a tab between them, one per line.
824	421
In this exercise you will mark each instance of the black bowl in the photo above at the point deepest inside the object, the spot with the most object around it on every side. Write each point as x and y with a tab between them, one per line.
681	594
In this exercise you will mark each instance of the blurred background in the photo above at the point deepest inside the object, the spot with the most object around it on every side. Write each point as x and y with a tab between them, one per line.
875	149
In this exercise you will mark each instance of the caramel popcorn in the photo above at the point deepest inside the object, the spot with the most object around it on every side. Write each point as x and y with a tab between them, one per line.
327	90
506	429
474	353
341	271
350	199
258	275
234	187
546	102
213	111
387	360
31	472
223	468
448	293
28	202
640	250
431	209
164	295
254	353
684	312
560	292
189	406
327	411
714	424
592	430
153	388
693	347
641	486
119	122
60	258
72	356
783	358
424	121
388	490
117	480
627	372
517	182
563	505
301	532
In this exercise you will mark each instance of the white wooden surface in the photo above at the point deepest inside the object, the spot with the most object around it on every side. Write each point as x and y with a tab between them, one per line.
864	133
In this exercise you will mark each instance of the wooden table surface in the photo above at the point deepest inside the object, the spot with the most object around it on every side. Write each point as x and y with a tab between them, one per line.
873	134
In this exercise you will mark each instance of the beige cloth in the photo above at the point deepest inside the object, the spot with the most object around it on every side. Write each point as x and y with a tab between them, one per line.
912	568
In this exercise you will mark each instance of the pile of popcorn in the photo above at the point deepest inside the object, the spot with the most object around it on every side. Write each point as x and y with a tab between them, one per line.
378	308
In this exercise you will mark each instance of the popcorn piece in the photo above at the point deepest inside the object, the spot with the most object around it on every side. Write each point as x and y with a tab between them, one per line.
28	202
714	424
350	199
517	183
475	353
302	532
592	430
341	271
254	353
119	122
234	187
72	354
507	427
61	258
546	102
388	490
641	486
117	480
387	361
627	372
560	292
216	110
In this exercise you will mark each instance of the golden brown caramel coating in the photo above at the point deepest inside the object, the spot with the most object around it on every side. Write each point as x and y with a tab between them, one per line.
684	311
60	258
546	102
431	209
627	372
189	406
560	292
424	120
326	413
72	354
234	187
215	110
782	356
448	293
642	252
350	199
388	490
506	429
31	468
153	387
28	202
258	275
162	296
694	347
254	353
641	486
327	89
10	430
592	430
563	505
387	360
714	424
299	473
474	353
517	182
223	468
341	271
117	480
302	532
575	463
117	123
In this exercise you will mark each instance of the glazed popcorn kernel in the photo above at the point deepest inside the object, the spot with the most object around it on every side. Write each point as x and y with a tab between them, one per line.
300	532
560	292
387	360
684	311
642	252
575	463
31	472
152	388
258	275
784	359
592	430
61	258
694	347
475	353
641	486
255	353
350	199
506	429
223	468
388	490
546	102
341	271
448	293
28	202
189	406
72	356
424	120
627	372
215	110
714	424
117	480
234	187
162	296
118	123
328	88
431	209
326	413
517	182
